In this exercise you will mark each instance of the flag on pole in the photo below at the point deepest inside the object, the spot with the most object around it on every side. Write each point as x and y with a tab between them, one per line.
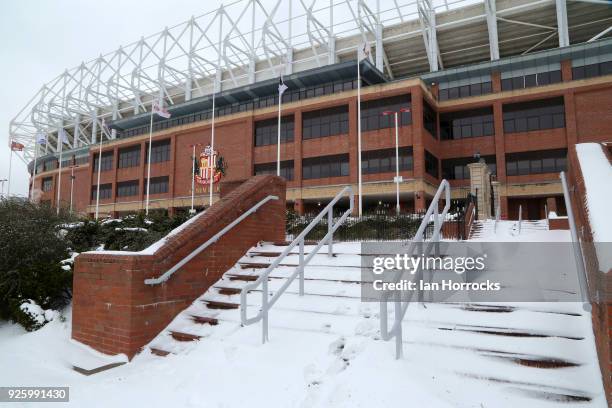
105	128
281	86
159	109
64	136
364	51
41	138
16	146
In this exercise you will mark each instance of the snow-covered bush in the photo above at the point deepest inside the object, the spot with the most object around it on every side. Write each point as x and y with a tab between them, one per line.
31	251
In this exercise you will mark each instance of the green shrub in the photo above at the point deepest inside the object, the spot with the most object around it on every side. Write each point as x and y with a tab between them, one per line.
31	249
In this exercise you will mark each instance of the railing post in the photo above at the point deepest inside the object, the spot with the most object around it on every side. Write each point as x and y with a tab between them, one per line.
264	308
520	218
330	231
301	267
384	328
398	328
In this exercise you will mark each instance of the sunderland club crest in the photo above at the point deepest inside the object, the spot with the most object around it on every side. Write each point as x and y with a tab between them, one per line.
209	165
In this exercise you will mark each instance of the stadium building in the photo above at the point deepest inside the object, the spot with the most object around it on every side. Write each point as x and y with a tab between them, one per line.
514	83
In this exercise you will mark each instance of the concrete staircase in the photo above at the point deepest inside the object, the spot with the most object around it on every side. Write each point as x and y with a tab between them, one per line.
534	351
484	228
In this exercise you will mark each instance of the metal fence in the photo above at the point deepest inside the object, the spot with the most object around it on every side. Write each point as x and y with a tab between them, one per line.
368	227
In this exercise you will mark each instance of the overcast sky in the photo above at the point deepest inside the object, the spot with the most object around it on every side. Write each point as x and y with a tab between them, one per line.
39	39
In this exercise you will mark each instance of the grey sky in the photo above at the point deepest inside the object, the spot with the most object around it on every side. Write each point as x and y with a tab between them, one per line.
39	39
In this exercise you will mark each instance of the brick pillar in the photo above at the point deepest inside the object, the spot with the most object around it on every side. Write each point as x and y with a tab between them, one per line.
566	70
496	81
503	204
480	184
551	205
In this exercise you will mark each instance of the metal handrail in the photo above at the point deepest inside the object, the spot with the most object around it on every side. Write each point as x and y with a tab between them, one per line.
266	301
471	223
520	220
402	306
166	275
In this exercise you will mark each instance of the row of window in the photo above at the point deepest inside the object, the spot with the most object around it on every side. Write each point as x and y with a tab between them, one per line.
534	115
542	161
286	169
466	124
325	166
592	70
130	156
326	122
465	90
291	95
158	185
335	121
531	80
383	161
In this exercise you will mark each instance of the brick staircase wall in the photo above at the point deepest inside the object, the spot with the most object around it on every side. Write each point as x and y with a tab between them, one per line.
600	283
115	312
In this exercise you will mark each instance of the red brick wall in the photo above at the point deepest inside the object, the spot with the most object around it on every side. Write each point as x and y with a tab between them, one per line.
115	312
600	283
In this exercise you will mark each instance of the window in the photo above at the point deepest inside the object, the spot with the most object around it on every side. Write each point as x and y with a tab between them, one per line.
534	115
462	91
66	163
160	151
429	119
266	131
431	164
286	169
325	166
158	185
457	169
383	161
106	191
531	80
466	124
127	188
592	70
47	184
107	161
326	122
372	117
129	157
81	160
50	165
537	162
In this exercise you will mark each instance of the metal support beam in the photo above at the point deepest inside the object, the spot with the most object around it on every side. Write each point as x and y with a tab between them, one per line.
562	23
491	13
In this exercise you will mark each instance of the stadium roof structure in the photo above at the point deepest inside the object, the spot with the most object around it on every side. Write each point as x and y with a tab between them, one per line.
250	41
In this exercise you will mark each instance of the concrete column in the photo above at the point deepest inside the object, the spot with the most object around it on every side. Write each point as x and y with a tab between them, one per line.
480	185
420	203
495	185
298	206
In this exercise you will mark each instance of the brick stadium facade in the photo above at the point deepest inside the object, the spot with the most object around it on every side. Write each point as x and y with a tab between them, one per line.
521	121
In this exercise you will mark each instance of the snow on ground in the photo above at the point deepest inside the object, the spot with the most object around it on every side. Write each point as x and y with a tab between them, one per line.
325	351
597	175
508	231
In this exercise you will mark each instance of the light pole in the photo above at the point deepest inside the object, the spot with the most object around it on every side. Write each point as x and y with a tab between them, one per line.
193	161
397	179
71	185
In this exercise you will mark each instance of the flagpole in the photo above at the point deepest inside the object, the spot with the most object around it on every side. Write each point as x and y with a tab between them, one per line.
59	176
193	159
71	186
278	142
149	164
99	169
34	171
359	130
8	190
212	146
